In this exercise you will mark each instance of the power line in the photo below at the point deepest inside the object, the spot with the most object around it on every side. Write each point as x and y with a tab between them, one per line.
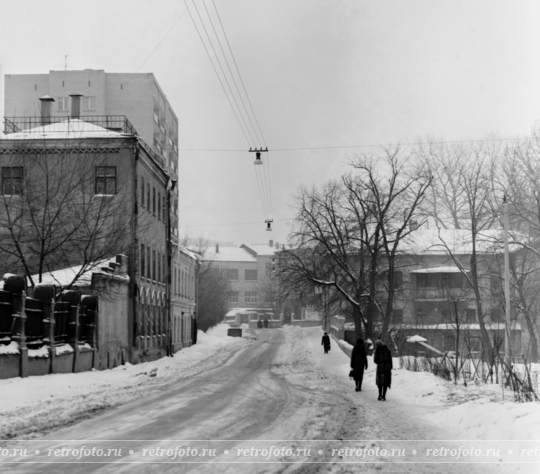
336	147
239	75
235	223
157	46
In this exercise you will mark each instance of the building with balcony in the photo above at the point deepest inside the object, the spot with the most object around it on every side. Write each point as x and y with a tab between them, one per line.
433	294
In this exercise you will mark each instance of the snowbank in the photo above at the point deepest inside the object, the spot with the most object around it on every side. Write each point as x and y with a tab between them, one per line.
482	412
35	403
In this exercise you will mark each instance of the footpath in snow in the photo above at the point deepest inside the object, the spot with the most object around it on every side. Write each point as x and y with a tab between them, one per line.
475	412
33	405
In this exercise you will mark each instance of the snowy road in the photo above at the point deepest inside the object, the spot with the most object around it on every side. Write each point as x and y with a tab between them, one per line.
280	387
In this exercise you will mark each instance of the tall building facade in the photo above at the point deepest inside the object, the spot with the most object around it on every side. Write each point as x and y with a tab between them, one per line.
135	96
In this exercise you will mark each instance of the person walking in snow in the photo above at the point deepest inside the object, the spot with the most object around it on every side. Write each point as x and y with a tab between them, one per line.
265	323
358	363
326	342
383	377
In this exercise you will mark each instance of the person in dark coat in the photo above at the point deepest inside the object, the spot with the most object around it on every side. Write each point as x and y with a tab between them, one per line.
326	342
383	377
265	323
259	324
358	363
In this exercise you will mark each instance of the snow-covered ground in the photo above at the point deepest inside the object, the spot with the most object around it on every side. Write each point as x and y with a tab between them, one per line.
34	404
483	412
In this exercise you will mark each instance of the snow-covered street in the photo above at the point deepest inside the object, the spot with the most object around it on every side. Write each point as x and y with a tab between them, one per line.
269	402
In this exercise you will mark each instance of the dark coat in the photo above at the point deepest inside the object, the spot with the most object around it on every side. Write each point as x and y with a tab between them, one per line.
359	361
326	342
383	359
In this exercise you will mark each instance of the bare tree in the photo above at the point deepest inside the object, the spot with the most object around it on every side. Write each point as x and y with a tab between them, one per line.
60	210
463	196
348	233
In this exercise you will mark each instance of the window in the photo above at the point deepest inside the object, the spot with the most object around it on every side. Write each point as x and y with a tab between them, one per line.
397	316
148	263
142	192
421	280
89	102
251	297
159	205
159	266
421	315
148	196
496	314
251	275
12	177
233	296
143	263
63	104
163	267
154	265
164	207
154	201
106	180
232	274
470	315
451	280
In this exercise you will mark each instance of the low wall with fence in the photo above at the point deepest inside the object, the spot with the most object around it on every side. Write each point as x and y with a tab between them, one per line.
54	331
46	333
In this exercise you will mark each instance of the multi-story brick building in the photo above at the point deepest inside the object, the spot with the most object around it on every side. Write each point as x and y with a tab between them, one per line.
249	269
126	171
433	295
136	96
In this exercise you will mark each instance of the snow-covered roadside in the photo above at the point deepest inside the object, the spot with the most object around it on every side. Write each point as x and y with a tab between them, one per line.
34	404
478	411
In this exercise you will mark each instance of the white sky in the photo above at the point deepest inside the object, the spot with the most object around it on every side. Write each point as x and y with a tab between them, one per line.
319	73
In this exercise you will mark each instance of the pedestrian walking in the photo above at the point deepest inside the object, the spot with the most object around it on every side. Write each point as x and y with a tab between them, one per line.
265	324
359	363
259	324
383	377
326	342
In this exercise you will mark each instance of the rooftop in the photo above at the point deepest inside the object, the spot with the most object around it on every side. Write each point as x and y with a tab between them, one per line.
98	126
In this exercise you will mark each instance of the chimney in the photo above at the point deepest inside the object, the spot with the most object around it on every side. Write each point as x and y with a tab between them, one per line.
46	102
75	105
217	248
271	243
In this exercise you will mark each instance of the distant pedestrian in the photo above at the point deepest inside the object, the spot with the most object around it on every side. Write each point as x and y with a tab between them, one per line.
266	323
326	342
383	377
259	324
358	363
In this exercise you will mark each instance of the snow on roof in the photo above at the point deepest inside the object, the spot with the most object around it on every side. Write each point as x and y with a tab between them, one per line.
261	249
457	241
64	276
229	254
448	326
72	128
442	269
189	253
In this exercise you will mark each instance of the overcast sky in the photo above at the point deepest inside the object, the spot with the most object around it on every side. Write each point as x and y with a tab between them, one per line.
319	73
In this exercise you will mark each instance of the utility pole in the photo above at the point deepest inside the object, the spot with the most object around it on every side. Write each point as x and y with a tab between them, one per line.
507	355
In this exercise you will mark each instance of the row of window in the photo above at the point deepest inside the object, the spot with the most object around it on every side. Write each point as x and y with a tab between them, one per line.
151	319
249	297
153	265
12	180
249	275
183	283
154	203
